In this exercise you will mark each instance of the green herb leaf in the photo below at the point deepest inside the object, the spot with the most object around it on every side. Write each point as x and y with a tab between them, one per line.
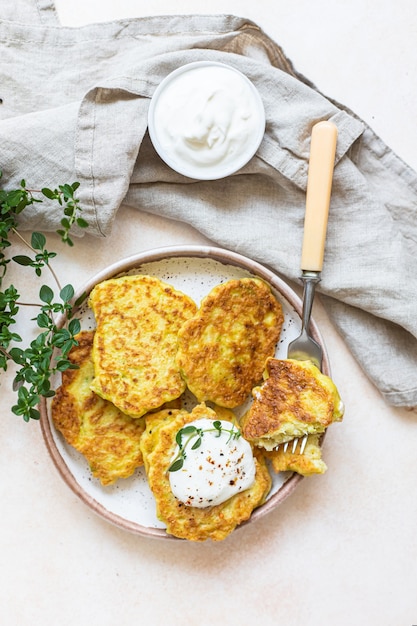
43	320
74	326
22	259
17	355
38	241
81	299
48	193
187	430
67	293
177	465
197	444
46	294
218	426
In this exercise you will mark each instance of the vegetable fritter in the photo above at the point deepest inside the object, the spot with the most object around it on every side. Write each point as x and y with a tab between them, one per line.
295	399
223	348
138	318
186	522
108	438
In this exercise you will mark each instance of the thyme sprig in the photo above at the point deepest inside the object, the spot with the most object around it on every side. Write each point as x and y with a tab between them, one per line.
188	433
35	366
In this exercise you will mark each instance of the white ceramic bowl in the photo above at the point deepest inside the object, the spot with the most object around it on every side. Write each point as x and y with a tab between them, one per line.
206	120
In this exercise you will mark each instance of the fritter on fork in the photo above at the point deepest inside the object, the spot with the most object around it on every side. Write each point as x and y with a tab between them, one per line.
294	400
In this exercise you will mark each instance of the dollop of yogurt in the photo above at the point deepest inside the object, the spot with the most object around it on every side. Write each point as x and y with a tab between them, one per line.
208	120
219	468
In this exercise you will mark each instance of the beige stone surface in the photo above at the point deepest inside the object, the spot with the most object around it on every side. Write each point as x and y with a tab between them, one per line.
342	550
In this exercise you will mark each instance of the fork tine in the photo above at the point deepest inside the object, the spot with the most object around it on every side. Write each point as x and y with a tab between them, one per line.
303	444
294	446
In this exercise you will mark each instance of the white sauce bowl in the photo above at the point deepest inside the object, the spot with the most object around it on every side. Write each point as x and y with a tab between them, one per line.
206	120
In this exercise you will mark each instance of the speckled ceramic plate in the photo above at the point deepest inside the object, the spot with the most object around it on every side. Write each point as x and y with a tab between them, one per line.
195	270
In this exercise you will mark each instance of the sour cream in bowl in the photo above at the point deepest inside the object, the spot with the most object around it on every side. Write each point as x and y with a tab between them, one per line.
206	120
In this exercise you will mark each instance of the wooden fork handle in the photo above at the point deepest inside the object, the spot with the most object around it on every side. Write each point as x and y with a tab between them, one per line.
319	188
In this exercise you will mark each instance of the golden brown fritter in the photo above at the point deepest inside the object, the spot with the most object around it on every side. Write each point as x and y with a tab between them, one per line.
107	438
295	399
138	318
195	524
222	349
307	463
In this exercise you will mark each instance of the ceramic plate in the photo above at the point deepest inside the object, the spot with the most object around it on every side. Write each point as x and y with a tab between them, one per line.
129	503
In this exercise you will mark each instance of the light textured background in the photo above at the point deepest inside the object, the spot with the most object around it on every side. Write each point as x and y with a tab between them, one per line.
343	549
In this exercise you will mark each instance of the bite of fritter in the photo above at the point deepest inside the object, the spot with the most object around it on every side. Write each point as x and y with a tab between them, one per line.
138	318
187	522
295	399
107	438
223	347
308	463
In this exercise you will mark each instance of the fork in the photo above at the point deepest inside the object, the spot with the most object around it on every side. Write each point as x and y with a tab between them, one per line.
319	187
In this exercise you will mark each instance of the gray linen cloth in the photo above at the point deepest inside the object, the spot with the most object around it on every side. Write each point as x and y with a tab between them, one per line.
74	106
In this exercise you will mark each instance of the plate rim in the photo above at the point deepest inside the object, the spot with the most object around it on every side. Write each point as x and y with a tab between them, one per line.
222	255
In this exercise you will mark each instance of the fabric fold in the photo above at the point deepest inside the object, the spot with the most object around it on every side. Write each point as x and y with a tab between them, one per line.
30	12
81	114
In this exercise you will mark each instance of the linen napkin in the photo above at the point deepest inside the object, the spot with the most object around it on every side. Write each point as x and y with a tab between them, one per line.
74	106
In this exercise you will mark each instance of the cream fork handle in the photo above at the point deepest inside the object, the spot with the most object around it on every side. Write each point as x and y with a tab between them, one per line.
319	187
